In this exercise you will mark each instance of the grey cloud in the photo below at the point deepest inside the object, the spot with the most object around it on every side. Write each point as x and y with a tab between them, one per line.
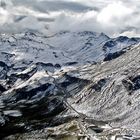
112	17
49	6
58	6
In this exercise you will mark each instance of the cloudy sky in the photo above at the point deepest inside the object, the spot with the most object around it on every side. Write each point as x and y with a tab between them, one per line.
113	17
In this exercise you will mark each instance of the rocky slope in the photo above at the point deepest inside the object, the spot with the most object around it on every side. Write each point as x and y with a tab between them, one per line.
71	85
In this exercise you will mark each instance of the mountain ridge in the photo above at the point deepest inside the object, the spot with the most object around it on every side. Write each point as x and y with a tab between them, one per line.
82	79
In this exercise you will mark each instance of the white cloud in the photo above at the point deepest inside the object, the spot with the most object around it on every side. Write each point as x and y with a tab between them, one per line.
115	12
132	33
74	21
112	17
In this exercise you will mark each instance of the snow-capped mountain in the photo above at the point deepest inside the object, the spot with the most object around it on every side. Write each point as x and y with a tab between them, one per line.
63	48
84	81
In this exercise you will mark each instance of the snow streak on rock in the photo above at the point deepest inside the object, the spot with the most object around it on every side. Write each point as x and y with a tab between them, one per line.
72	84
